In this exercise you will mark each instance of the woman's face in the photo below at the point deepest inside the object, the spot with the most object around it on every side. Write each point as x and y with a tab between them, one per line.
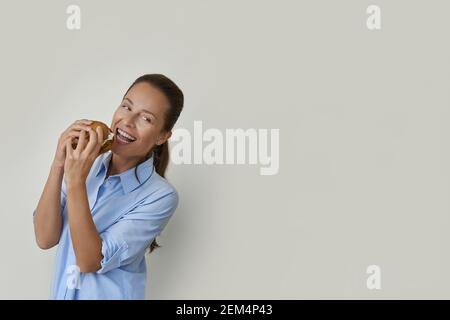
141	115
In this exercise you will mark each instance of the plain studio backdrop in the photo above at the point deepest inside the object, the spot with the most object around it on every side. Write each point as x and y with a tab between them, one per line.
364	175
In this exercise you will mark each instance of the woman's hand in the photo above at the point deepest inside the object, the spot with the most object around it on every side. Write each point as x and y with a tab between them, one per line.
72	132
79	161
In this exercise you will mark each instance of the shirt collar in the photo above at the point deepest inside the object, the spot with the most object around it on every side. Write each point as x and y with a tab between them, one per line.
128	178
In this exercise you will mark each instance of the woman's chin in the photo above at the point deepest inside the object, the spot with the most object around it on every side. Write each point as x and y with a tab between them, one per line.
121	150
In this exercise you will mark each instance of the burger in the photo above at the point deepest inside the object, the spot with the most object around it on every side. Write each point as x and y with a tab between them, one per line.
108	136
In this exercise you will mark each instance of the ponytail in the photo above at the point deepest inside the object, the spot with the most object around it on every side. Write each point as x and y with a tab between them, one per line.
161	154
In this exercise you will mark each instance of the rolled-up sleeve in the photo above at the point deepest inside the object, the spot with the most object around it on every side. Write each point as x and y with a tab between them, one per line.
128	238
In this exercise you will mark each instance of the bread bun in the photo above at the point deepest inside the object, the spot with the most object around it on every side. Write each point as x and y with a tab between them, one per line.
108	136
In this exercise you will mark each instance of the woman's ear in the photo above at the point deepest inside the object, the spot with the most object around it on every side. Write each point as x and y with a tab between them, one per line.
164	138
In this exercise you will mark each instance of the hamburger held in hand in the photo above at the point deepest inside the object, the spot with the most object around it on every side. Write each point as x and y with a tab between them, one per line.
108	136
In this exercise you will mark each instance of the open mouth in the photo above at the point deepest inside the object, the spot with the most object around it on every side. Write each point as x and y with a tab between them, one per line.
124	137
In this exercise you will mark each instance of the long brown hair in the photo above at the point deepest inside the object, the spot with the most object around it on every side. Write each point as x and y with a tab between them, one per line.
176	99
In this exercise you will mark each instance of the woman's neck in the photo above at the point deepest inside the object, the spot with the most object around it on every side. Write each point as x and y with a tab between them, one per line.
117	165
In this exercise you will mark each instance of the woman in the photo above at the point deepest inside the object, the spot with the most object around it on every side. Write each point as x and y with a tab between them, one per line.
105	210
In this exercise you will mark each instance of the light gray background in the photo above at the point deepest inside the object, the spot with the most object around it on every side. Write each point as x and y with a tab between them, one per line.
364	140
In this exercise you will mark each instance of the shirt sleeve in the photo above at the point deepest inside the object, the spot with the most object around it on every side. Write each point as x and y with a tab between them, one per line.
128	238
63	200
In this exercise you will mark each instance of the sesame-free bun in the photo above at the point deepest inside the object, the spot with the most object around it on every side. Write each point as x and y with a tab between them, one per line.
108	136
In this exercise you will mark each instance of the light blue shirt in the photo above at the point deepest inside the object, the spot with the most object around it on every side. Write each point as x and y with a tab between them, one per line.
128	215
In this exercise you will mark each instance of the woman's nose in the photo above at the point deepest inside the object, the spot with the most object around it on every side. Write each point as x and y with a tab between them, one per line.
129	121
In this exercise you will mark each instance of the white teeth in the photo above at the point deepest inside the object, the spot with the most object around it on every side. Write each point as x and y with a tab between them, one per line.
123	133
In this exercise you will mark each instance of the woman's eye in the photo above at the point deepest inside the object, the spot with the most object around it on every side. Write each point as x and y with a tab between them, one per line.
145	118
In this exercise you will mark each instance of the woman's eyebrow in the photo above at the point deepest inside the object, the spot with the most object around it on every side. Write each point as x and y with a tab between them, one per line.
143	110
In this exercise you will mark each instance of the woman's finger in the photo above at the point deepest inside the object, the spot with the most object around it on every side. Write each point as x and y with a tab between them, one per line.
93	141
80	126
76	128
69	149
81	142
100	137
74	134
83	121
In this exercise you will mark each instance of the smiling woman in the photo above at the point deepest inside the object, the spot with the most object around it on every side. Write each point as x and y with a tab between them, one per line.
175	101
104	210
